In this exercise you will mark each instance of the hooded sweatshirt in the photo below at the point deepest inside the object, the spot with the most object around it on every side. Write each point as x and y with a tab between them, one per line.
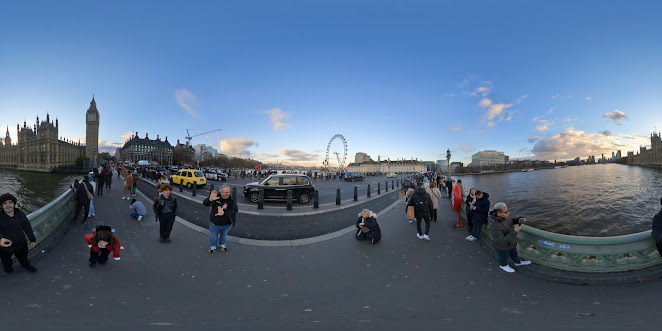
482	208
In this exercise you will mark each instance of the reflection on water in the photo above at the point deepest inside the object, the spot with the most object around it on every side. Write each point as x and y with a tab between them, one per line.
34	189
592	200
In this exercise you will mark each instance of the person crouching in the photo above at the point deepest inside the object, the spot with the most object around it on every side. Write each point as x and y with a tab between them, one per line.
101	243
367	226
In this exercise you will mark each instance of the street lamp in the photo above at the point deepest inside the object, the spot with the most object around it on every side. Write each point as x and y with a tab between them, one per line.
448	162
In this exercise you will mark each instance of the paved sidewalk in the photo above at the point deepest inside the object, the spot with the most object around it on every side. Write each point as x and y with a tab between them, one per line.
400	283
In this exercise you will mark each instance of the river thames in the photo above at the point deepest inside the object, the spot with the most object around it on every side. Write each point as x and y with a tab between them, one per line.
34	189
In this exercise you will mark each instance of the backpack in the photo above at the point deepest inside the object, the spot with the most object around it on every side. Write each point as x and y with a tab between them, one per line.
421	207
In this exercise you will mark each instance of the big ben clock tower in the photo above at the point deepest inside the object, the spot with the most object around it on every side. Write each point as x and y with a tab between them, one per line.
92	131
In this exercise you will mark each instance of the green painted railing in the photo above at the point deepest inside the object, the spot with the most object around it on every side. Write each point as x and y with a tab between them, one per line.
584	254
49	217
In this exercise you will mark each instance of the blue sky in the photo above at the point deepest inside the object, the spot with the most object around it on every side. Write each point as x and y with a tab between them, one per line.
536	79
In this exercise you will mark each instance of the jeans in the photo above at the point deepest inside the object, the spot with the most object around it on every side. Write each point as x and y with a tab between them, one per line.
427	224
477	229
100	188
18	249
503	256
134	215
91	208
79	205
101	256
365	235
217	230
165	224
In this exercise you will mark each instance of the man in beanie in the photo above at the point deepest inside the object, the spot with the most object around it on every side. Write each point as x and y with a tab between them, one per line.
657	229
14	225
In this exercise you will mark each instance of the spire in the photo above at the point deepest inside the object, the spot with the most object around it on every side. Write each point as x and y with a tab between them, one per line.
93	105
48	117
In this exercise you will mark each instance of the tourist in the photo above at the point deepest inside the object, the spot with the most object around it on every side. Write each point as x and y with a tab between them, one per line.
101	182
409	209
367	226
101	242
14	226
109	177
83	198
222	217
134	185
139	208
504	236
94	187
165	208
481	208
469	202
449	187
128	184
434	194
161	181
422	204
657	230
459	183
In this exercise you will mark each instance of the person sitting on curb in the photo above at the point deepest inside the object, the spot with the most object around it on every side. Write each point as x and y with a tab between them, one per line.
367	226
504	233
14	225
101	242
140	209
657	230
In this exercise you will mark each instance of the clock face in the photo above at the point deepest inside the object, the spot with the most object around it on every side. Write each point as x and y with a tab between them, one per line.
91	117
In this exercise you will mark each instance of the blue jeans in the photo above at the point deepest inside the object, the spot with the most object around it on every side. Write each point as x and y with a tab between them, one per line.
91	209
134	215
504	254
217	230
477	230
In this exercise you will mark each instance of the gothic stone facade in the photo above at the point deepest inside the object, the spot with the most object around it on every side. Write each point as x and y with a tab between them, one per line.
652	156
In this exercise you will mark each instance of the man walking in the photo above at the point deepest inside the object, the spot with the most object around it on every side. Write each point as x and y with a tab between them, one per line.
14	226
422	204
100	182
84	194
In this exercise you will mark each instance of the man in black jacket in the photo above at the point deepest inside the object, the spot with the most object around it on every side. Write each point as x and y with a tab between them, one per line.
82	199
222	217
14	225
422	204
657	229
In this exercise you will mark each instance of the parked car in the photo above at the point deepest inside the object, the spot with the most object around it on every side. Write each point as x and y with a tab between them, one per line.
276	186
187	177
215	174
353	176
391	175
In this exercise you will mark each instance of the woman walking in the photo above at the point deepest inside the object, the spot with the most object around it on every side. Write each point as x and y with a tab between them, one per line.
435	194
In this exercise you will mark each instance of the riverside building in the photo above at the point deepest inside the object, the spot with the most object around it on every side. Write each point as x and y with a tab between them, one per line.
652	156
136	149
367	165
489	158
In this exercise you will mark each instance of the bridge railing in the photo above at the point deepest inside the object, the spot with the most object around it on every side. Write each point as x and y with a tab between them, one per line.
48	218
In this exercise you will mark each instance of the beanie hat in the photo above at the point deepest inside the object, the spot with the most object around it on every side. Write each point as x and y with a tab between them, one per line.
7	196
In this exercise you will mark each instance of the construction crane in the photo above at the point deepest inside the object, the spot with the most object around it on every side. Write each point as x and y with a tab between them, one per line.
189	136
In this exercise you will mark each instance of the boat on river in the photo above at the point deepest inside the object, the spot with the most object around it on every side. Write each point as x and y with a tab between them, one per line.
528	170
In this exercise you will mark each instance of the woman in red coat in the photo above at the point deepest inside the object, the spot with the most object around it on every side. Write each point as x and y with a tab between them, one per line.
101	243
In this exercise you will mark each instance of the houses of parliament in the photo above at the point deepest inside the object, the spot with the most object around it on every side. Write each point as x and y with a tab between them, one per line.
39	147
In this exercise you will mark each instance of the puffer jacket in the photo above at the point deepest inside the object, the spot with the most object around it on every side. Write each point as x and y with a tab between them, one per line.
371	224
503	231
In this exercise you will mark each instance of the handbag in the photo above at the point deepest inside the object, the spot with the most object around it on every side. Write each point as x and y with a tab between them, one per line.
90	196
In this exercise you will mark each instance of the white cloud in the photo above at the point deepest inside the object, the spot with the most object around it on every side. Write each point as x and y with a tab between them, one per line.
236	146
555	97
128	135
542	127
484	89
490	124
520	99
185	99
588	98
277	116
551	110
572	143
616	116
454	128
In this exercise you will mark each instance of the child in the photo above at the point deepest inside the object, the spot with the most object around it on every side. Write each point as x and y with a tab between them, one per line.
101	243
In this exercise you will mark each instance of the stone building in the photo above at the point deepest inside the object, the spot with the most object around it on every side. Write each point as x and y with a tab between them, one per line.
40	148
386	166
652	156
488	158
136	149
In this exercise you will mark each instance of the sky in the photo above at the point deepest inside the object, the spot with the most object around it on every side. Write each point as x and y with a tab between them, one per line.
410	79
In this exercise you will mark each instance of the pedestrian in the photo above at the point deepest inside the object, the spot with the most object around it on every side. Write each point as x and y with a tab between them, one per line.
161	181
367	227
222	217
101	182
449	187
109	177
657	230
469	202
409	209
94	187
101	242
434	194
481	208
422	204
15	226
165	208
134	185
139	209
83	196
128	184
504	235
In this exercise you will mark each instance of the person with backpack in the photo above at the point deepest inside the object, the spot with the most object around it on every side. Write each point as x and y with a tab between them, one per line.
165	208
422	204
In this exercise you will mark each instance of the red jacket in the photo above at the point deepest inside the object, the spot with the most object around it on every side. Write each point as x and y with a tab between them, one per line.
114	248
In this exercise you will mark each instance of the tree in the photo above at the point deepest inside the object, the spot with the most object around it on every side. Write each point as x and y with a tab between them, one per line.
182	155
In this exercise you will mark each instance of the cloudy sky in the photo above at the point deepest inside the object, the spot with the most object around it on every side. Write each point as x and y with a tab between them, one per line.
398	79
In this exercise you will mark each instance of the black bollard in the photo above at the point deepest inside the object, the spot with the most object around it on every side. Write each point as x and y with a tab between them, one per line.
180	186
392	185
338	196
260	199
356	193
386	186
195	187
368	190
289	199
316	199
234	192
379	188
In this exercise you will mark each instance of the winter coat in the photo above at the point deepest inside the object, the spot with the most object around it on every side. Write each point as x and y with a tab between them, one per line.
17	227
229	214
419	194
371	224
482	208
503	232
95	248
160	202
467	202
81	195
434	194
657	226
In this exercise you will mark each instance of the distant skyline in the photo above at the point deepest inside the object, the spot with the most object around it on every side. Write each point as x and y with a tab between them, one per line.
538	80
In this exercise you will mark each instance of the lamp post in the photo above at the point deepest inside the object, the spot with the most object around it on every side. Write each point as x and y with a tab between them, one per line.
448	162
95	157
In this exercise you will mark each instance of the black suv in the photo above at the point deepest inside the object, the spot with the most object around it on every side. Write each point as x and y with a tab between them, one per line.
276	187
353	176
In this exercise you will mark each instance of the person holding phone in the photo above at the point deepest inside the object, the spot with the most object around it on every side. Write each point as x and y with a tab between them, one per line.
504	231
222	217
15	226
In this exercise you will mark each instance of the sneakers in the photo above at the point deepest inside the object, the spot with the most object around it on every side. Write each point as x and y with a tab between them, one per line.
167	240
411	221
522	263
470	238
123	198
212	249
140	217
372	241
223	248
419	236
426	237
507	268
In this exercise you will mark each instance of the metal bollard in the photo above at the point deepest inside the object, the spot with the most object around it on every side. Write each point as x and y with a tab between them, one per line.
356	193
195	187
234	192
289	199
338	196
316	199
379	188
386	187
180	186
392	185
368	190
260	199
